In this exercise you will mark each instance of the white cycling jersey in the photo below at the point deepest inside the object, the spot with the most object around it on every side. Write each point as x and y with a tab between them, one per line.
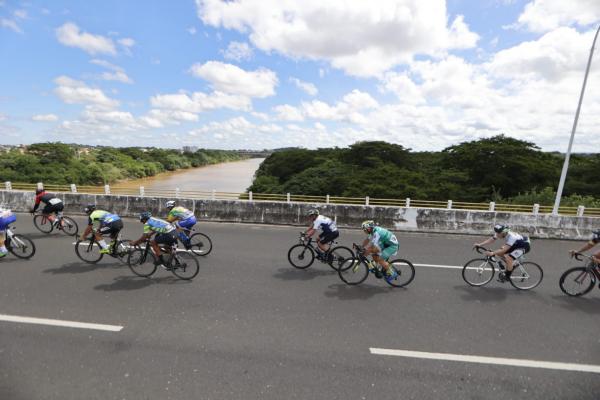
511	238
324	223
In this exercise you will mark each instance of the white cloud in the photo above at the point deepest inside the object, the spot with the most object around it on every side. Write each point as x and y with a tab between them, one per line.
231	79
70	35
127	42
191	30
307	87
365	39
118	74
286	112
21	14
546	15
237	51
10	24
76	92
199	102
45	117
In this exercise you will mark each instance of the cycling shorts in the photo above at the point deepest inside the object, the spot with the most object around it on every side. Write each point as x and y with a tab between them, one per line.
112	228
168	238
388	251
518	249
6	221
187	223
53	208
326	237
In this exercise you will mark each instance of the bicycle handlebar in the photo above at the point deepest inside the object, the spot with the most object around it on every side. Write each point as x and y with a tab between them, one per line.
481	249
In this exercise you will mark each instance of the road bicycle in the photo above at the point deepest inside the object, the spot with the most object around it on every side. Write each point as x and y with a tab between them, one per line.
199	244
142	261
578	281
88	250
480	271
356	270
44	225
19	245
303	255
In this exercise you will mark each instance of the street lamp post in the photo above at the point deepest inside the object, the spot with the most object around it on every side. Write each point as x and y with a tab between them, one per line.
563	174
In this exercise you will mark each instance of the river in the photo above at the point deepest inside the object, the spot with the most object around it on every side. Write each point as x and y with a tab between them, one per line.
234	177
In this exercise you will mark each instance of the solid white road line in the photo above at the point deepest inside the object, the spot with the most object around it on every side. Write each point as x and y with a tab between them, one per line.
58	322
439	266
515	362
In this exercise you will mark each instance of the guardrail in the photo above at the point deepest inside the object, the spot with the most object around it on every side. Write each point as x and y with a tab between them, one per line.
579	211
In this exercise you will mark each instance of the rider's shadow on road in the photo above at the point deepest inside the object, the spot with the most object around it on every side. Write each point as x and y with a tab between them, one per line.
135	283
364	291
79	267
293	274
575	304
484	295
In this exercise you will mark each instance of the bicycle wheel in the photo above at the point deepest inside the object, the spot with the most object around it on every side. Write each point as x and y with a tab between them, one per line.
43	224
405	271
200	244
577	281
21	246
122	250
184	265
140	263
88	251
526	276
353	271
478	272
337	256
70	227
301	256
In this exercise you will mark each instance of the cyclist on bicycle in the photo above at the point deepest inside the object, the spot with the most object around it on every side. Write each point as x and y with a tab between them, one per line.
6	218
515	246
381	244
595	239
102	223
329	231
52	204
165	234
184	221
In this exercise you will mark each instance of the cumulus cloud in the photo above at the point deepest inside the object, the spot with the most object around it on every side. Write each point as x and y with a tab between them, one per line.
10	24
306	87
199	102
231	79
118	74
45	117
238	51
547	15
70	35
72	91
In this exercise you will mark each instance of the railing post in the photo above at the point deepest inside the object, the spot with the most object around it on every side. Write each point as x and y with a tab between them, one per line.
40	186
327	199
536	209
106	189
141	191
407	202
8	185
213	195
580	211
73	188
250	195
367	201
176	193
492	206
449	204
288	197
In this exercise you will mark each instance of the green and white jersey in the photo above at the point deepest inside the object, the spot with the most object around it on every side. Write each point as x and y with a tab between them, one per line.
381	237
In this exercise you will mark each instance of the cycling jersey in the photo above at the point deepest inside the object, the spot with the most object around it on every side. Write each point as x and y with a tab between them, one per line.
179	213
381	237
157	225
514	239
52	202
6	218
100	217
596	236
327	225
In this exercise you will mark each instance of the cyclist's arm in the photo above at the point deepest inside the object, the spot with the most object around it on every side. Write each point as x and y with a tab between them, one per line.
142	238
310	231
171	218
88	230
585	247
36	205
486	242
501	251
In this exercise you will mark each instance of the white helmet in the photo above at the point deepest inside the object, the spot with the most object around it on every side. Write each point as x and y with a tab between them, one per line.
170	204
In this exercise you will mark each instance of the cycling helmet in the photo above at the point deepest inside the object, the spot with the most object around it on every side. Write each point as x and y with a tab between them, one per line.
89	209
145	216
368	224
501	228
170	204
38	191
312	212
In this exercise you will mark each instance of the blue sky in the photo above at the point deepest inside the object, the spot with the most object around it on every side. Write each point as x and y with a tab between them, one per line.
275	73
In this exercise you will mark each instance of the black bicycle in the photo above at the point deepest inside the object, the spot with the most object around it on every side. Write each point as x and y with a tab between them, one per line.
356	270
199	243
65	224
88	250
19	245
480	271
142	261
578	281
303	255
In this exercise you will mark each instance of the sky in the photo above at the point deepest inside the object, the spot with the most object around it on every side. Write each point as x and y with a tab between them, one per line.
255	74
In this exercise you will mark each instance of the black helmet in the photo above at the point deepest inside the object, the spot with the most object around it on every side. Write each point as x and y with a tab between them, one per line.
145	216
90	208
501	228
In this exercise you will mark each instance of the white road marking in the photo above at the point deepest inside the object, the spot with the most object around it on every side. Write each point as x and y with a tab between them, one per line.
515	362
58	322
439	266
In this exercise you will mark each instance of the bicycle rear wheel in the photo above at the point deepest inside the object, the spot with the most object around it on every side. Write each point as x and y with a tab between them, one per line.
88	251
405	271
200	244
141	263
42	223
184	265
353	271
337	256
70	227
301	256
526	276
21	246
122	250
577	281
478	272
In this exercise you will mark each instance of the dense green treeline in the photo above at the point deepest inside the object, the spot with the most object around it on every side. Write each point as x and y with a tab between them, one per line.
58	163
500	168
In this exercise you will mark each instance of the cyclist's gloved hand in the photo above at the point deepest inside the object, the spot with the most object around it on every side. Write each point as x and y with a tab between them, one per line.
572	253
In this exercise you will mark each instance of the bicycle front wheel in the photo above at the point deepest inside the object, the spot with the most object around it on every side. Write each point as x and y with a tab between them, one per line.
141	263
21	246
200	244
478	272
526	276
122	250
184	265
577	281
353	271
88	251
42	223
69	227
337	256
301	256
405	271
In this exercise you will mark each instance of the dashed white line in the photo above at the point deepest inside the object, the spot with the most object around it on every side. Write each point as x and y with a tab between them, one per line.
58	322
515	362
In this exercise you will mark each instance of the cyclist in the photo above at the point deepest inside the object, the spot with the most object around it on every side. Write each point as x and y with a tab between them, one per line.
381	244
184	221
595	239
165	234
52	205
515	246
329	231
103	223
7	217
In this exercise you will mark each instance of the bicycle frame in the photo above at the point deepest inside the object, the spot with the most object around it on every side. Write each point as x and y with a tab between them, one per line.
591	267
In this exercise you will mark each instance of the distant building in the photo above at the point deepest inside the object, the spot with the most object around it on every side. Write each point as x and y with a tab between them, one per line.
190	149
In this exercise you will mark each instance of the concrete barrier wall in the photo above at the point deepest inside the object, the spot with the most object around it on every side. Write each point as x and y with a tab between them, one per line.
346	216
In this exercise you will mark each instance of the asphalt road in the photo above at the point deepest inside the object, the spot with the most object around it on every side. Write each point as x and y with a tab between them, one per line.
250	326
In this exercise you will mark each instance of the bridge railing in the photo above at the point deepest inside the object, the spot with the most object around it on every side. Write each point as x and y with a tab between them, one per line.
288	197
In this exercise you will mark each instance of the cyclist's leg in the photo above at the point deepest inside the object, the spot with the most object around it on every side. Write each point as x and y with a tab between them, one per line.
3	249
58	211
326	239
184	227
47	212
386	253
